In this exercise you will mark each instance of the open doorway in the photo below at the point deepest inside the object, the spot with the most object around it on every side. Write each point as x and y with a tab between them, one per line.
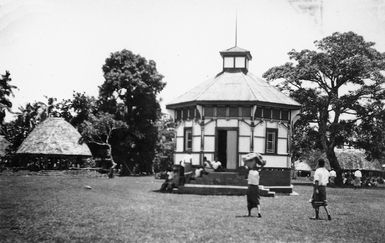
226	149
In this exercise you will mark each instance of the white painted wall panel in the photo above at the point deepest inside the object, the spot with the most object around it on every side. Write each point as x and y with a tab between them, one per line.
244	129
259	145
209	156
196	143
282	146
209	144
227	123
244	144
210	129
276	161
195	159
188	123
179	145
178	158
196	129
260	130
180	129
282	131
270	124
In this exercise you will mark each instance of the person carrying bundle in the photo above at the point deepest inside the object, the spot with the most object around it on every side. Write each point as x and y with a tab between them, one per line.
253	162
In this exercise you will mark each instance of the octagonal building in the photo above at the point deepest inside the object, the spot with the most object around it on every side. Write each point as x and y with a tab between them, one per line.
233	114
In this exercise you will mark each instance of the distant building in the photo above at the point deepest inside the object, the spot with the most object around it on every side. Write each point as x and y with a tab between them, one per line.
233	114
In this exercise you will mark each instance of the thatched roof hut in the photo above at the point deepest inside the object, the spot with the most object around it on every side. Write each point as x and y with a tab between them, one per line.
4	144
54	137
349	159
302	166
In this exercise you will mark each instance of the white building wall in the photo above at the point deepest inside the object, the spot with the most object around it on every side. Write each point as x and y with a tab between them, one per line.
209	144
260	130
196	129
282	131
210	129
276	161
196	144
227	123
179	130
259	145
244	144
179	144
270	124
282	146
244	129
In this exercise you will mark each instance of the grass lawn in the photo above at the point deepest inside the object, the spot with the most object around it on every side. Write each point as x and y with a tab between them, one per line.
57	207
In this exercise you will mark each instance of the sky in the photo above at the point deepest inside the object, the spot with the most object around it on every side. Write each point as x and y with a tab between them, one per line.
55	47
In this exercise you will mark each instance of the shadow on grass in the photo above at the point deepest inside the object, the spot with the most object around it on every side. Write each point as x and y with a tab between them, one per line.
246	216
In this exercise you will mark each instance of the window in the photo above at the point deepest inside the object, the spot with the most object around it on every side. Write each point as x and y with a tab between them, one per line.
209	111
197	114
191	113
285	115
240	62
246	112
276	114
185	114
233	111
271	140
228	62
188	139
266	113
258	112
221	111
179	114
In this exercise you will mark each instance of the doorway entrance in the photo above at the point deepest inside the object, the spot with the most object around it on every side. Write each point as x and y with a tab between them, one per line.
226	147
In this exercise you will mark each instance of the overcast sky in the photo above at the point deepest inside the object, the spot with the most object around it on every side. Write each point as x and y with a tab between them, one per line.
53	47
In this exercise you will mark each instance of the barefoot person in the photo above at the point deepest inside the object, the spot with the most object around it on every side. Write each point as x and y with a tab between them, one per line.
252	161
321	179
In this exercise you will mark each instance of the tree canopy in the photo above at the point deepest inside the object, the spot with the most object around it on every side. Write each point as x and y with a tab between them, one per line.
129	93
6	90
333	83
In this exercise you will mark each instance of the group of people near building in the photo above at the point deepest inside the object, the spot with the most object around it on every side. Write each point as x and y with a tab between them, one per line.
254	163
357	179
184	172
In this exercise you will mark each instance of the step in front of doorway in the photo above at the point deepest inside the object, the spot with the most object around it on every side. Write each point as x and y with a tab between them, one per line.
201	189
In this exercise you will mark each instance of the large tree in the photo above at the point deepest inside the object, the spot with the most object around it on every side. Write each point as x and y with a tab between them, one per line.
6	90
99	129
336	80
129	93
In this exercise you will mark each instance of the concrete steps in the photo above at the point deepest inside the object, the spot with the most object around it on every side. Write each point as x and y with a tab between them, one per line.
202	189
227	183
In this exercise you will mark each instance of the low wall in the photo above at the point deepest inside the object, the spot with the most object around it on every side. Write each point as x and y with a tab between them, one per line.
275	177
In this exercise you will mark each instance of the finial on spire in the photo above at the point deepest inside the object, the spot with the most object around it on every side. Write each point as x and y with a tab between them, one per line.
236	27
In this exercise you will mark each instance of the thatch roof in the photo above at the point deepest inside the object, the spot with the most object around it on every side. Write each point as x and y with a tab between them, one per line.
56	137
3	146
303	166
349	159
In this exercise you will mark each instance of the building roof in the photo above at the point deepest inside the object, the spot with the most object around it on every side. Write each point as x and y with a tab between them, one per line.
234	87
56	137
235	51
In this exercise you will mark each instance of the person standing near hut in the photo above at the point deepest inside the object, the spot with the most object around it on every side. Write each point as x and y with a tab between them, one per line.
252	161
321	179
357	179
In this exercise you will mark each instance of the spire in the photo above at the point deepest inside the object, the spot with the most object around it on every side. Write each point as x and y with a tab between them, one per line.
236	27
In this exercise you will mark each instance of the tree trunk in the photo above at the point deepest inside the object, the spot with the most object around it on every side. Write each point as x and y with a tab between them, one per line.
331	155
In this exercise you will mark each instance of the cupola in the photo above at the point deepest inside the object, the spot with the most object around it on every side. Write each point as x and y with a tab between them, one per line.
236	59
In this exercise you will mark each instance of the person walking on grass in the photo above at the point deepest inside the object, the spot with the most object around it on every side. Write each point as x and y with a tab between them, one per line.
252	161
321	179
